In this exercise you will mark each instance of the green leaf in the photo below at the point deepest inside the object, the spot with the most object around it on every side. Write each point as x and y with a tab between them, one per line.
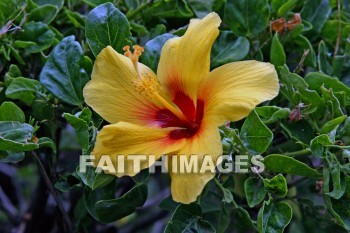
285	164
302	44
11	112
228	48
16	137
36	32
254	190
153	48
323	64
80	126
282	11
111	210
316	12
247	18
11	157
338	179
332	125
62	74
338	208
277	185
106	25
187	218
255	135
58	3
47	142
274	217
101	180
297	90
169	9
24	89
317	144
277	55
45	14
272	114
316	80
201	8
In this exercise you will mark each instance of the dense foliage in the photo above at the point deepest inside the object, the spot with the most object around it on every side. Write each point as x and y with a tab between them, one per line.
47	51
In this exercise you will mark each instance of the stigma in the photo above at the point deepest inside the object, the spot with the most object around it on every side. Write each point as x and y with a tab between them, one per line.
134	56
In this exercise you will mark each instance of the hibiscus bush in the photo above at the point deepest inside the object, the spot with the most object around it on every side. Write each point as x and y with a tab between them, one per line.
265	83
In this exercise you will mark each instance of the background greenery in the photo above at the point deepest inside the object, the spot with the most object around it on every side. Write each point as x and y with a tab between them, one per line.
47	50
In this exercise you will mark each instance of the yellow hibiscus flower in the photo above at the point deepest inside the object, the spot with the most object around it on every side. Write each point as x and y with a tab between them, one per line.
177	111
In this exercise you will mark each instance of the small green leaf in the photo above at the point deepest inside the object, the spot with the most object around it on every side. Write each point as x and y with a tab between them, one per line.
24	89
11	157
11	112
187	218
16	137
285	164
254	190
277	185
277	55
272	114
36	32
323	64
153	48
255	135
332	124
247	18
316	80
45	14
80	126
111	210
62	74
317	144
101	180
106	25
316	12
274	217
228	48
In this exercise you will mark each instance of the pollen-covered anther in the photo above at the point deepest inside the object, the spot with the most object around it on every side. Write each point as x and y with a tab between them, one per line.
147	86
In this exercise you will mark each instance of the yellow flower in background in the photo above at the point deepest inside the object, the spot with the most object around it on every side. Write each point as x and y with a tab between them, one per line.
178	111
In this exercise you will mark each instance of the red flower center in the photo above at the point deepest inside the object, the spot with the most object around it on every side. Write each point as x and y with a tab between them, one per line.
193	113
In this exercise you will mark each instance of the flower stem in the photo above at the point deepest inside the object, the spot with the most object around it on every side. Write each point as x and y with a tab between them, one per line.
299	153
51	189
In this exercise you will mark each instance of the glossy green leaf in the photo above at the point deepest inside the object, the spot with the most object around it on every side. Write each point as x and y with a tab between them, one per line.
38	33
11	112
228	48
24	89
111	210
288	165
62	74
323	64
153	48
187	218
106	25
274	217
247	18
16	137
254	190
45	14
80	126
255	135
316	12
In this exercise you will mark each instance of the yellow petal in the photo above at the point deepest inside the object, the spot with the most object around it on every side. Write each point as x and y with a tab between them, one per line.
125	140
185	61
111	92
233	90
187	186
